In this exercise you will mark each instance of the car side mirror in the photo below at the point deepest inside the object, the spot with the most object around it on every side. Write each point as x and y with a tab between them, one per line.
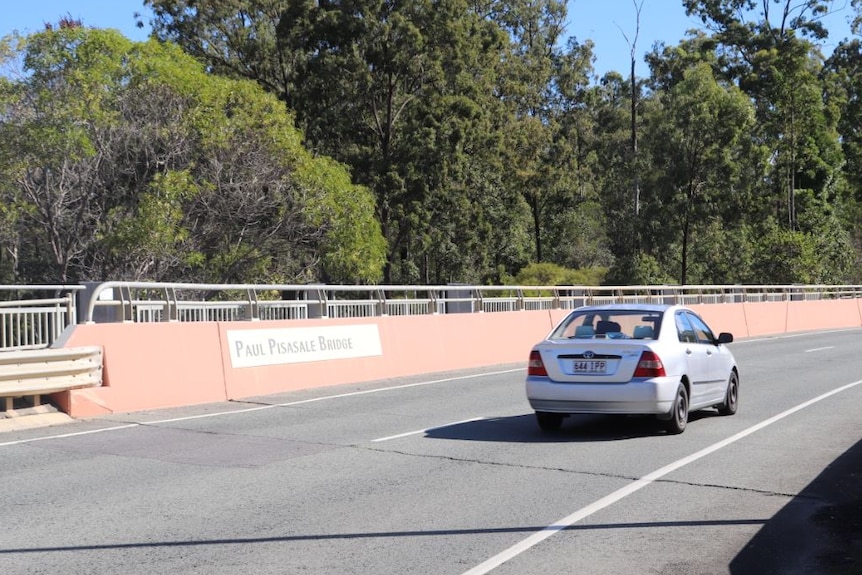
725	337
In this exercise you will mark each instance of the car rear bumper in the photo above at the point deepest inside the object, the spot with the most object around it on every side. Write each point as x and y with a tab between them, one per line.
640	396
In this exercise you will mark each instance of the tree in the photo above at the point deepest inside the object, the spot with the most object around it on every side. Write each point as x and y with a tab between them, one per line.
695	148
237	38
527	88
775	63
132	163
403	93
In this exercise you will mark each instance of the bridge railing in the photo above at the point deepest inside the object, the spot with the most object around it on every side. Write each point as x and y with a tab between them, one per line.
37	320
132	301
32	317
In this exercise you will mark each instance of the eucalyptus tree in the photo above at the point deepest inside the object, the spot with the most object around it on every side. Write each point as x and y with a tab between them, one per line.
843	78
237	38
402	92
129	161
610	154
695	138
542	86
768	48
575	228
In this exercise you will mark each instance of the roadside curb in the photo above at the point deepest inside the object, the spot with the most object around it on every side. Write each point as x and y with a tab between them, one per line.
32	417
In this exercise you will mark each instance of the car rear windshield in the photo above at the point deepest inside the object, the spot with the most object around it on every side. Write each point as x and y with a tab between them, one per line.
611	324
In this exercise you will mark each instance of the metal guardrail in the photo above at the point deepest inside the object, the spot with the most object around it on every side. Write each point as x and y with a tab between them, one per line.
40	372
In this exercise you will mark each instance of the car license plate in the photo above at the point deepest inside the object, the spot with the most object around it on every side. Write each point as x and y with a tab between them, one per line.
594	366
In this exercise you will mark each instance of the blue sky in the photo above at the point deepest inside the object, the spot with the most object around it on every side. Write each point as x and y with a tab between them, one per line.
28	16
606	22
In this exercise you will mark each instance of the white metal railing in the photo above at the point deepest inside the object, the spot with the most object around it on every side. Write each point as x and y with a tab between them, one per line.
34	323
236	302
37	319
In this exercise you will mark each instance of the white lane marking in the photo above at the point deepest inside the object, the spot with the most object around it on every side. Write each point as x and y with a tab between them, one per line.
73	434
793	335
262	407
427	429
637	485
819	349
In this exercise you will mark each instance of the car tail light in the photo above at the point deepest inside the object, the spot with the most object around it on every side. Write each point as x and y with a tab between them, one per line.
649	365
535	366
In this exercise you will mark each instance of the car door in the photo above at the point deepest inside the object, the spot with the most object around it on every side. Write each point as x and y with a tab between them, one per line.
715	380
696	357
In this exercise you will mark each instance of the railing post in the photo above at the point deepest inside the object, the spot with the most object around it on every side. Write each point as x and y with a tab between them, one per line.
253	305
71	310
126	312
315	308
380	304
171	308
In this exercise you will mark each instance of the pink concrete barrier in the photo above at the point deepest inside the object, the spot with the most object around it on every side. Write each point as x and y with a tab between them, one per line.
148	366
809	315
158	365
766	318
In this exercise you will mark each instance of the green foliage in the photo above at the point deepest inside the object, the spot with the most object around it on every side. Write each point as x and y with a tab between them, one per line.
722	253
784	256
147	167
353	249
637	269
546	274
430	142
695	138
156	230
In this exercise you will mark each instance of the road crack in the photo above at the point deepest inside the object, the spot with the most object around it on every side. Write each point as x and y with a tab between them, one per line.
598	474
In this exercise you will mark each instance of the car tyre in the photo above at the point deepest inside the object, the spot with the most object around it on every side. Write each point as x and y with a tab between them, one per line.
731	398
679	412
549	421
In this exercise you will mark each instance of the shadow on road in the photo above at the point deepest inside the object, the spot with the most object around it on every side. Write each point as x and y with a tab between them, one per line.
818	533
576	428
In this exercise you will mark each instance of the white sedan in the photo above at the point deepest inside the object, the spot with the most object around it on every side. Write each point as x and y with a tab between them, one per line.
632	359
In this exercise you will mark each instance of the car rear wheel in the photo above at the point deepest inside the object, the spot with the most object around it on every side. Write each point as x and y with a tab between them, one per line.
731	399
679	412
549	421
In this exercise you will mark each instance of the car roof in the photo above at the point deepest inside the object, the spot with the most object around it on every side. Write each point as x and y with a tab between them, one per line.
654	307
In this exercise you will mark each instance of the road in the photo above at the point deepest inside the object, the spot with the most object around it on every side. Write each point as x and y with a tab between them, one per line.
448	474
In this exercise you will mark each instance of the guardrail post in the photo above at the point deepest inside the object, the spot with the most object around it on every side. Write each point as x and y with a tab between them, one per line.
173	304
253	309
71	310
433	302
380	304
126	312
317	309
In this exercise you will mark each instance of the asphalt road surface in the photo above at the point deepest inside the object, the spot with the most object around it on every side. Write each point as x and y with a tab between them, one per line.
449	474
